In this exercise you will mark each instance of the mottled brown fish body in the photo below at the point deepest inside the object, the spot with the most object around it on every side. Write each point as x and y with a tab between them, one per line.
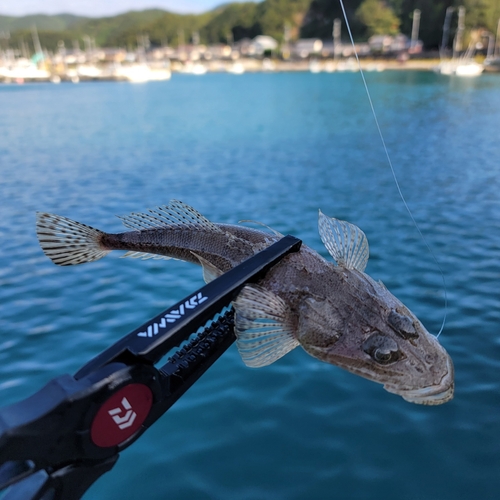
337	313
221	250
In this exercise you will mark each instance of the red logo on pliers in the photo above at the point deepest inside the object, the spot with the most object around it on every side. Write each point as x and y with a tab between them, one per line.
126	420
121	416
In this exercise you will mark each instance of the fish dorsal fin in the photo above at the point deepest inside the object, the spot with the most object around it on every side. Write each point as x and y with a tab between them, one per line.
175	214
263	326
210	272
345	242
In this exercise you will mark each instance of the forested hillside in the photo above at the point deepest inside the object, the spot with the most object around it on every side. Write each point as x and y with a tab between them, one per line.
234	21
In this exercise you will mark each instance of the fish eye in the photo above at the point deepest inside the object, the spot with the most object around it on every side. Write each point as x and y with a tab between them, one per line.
402	325
382	356
381	349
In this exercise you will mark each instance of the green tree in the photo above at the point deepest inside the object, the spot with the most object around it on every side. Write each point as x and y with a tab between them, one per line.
378	17
48	39
481	13
307	18
318	21
431	20
478	14
272	15
238	19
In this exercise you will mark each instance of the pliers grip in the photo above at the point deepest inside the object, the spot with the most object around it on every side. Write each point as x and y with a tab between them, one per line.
56	443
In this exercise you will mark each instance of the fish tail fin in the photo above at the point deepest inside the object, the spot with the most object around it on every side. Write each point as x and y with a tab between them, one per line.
67	242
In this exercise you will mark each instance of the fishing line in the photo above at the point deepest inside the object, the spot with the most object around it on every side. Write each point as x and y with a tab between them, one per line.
393	171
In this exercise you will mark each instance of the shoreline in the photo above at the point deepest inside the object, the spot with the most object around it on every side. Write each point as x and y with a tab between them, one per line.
329	65
142	72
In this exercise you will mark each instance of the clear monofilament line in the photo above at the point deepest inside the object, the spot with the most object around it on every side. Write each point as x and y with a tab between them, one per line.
392	168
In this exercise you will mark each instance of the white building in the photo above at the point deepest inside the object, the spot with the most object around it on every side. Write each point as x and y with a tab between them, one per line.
387	43
261	44
306	46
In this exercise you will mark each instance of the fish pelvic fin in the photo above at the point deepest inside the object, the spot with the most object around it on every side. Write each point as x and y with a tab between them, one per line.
175	214
345	242
210	272
67	242
263	326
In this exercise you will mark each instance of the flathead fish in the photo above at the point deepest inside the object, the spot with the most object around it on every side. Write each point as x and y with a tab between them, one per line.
335	311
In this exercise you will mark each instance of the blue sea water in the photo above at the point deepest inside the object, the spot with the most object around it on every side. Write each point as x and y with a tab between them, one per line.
272	148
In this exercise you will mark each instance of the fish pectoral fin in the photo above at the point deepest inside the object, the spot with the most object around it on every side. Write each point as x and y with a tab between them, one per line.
210	272
345	242
263	326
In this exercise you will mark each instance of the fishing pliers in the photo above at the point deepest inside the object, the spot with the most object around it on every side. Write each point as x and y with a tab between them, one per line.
55	444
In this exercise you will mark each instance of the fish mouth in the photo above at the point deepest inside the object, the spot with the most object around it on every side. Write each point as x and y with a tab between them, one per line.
434	394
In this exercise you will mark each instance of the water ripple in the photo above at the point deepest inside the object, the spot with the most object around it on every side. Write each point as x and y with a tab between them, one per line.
272	148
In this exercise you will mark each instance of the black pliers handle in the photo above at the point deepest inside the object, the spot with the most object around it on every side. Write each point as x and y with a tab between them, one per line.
56	443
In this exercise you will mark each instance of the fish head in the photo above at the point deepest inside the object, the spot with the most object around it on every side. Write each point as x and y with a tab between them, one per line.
368	331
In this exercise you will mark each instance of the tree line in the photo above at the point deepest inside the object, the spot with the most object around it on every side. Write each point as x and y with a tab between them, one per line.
291	19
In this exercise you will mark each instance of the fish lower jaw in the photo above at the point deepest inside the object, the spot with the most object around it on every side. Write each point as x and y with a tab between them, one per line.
432	395
424	397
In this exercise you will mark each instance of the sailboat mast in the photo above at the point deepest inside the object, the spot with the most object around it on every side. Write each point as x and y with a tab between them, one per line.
415	28
336	37
457	45
446	30
496	52
36	40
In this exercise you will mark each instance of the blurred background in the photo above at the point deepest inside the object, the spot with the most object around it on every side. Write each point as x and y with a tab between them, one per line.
273	140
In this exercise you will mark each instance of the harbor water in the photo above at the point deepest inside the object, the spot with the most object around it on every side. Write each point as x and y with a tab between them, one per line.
273	148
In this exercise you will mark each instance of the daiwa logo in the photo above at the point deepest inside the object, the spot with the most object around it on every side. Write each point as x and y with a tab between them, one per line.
126	420
173	315
128	408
